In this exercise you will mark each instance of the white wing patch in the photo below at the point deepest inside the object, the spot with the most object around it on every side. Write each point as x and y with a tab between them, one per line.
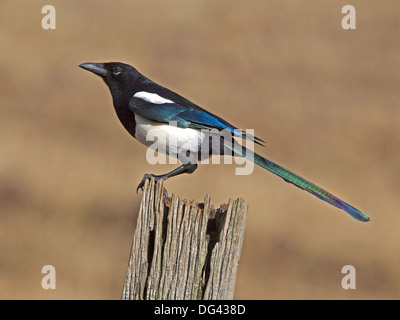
151	97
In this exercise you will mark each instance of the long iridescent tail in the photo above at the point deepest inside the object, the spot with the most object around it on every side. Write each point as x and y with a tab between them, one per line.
301	183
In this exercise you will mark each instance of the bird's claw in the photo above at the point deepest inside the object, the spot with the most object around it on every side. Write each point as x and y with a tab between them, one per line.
149	176
141	184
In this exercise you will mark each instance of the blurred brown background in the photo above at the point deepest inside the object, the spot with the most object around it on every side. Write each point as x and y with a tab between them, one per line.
326	101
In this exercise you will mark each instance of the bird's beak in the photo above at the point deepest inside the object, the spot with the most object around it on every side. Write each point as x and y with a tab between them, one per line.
97	68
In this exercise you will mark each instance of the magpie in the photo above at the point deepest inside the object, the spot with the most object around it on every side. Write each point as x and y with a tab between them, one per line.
143	105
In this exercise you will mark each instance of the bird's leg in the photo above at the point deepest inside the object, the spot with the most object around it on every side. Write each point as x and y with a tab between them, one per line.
185	168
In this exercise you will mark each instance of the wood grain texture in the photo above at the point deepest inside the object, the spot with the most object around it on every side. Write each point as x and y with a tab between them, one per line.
183	250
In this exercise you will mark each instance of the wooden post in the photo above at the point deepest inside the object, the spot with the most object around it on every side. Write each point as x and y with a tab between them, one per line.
184	250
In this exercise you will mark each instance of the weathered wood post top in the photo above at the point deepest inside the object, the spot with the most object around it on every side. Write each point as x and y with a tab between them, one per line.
184	250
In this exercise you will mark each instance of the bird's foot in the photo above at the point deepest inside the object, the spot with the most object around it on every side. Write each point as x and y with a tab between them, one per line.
149	176
145	177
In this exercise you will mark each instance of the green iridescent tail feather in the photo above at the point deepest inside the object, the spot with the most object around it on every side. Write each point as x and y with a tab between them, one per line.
301	183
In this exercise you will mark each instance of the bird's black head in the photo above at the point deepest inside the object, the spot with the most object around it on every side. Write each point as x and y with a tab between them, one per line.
121	78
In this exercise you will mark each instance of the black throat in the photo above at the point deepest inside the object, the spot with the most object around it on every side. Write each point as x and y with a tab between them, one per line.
121	106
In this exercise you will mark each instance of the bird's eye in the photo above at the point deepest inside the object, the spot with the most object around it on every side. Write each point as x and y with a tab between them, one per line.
117	70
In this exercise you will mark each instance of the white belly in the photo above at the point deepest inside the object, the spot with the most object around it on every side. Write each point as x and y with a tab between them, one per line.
176	141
